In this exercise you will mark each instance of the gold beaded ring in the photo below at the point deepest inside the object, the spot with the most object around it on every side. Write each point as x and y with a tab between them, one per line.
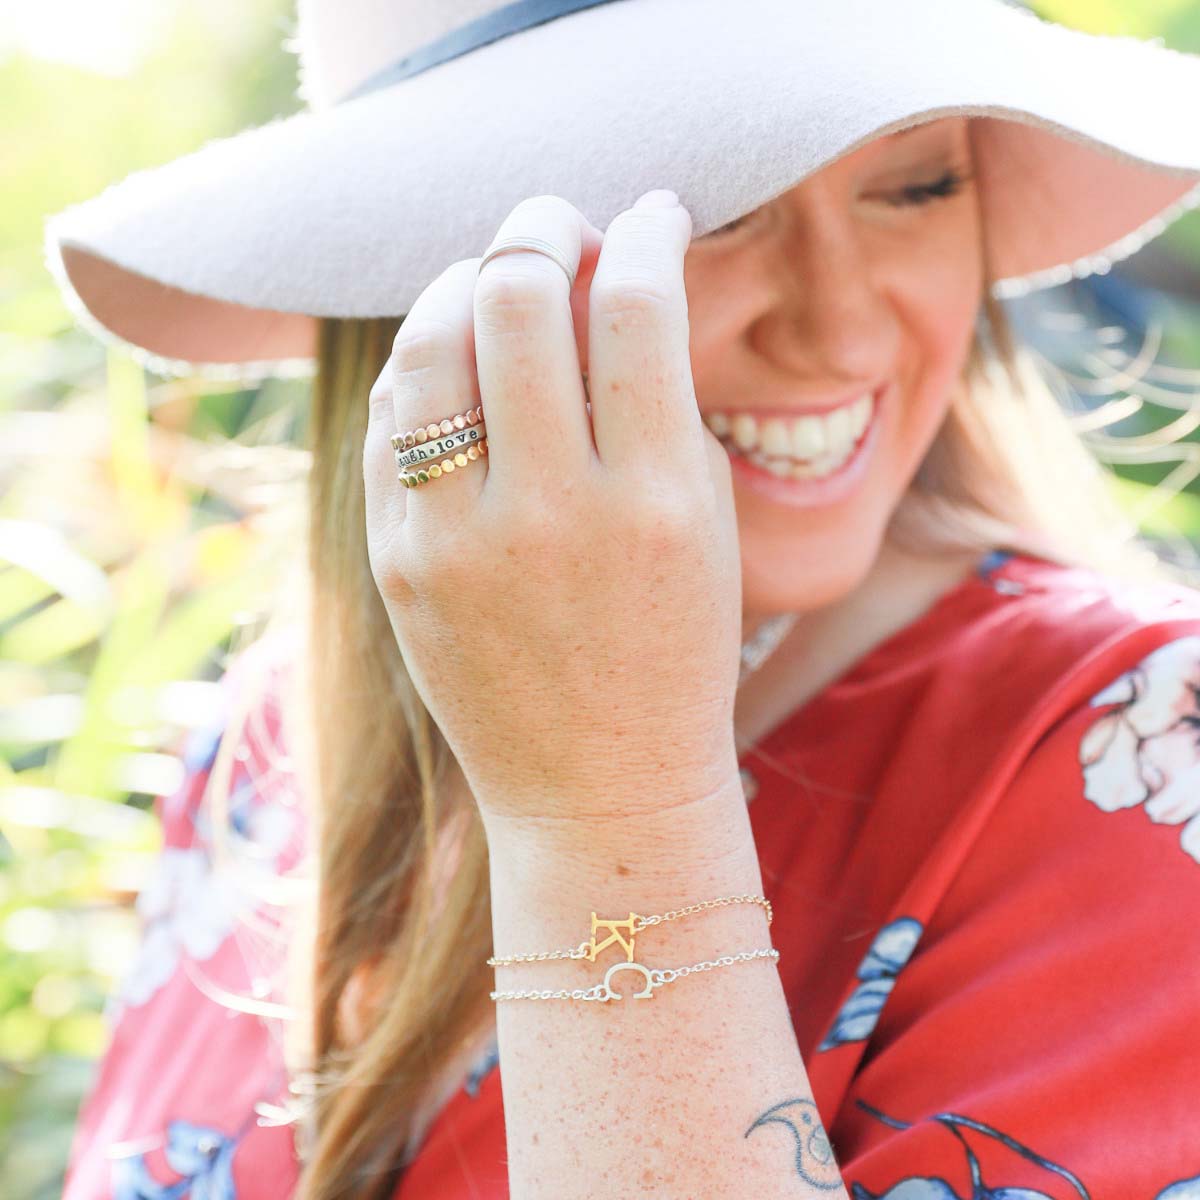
421	475
447	430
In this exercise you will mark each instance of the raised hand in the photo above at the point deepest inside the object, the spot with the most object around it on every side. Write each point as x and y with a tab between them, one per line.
568	604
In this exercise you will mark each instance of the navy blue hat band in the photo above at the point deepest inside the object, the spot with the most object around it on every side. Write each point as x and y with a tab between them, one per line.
512	18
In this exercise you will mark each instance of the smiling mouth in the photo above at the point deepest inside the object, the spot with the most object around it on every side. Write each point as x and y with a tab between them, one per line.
796	446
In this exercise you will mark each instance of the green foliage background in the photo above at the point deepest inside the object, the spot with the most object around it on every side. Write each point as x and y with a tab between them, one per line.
140	529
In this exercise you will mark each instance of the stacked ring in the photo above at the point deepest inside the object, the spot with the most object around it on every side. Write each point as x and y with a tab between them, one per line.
446	466
456	441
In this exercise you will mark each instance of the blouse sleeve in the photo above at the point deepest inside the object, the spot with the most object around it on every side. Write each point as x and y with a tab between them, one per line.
175	1100
1044	1039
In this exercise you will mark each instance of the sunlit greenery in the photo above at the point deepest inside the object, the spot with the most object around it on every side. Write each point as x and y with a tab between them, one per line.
140	517
136	538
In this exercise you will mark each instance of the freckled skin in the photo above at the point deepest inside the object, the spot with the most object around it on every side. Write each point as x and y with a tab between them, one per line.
827	289
823	288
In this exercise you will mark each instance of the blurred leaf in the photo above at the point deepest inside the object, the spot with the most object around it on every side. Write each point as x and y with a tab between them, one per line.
25	805
50	634
86	762
46	554
20	591
1145	19
1178	515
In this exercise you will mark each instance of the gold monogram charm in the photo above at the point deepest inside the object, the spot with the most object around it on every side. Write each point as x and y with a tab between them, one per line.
612	926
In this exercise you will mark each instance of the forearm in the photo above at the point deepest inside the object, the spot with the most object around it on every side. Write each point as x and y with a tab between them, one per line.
695	1093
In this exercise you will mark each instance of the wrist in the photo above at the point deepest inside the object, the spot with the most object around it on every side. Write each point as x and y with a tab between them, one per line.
548	881
603	793
706	828
618	771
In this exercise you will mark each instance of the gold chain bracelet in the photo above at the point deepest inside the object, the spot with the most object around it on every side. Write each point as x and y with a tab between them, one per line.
653	977
634	924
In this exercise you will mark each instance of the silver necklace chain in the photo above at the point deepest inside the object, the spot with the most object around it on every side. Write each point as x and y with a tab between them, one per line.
761	644
756	649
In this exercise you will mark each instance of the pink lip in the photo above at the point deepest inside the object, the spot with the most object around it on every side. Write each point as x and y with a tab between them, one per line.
810	493
800	410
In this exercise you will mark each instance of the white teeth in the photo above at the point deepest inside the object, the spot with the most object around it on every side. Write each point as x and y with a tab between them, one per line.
811	437
774	438
777	466
861	417
745	431
841	426
718	422
789	468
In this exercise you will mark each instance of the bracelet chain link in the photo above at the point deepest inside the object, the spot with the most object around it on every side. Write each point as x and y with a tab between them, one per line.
635	924
653	977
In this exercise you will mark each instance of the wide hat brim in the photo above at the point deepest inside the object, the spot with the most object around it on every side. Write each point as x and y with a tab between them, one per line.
217	263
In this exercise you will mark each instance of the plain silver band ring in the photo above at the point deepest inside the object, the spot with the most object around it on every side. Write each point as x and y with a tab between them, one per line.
540	245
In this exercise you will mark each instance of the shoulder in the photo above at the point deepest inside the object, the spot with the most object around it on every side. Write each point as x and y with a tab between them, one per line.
1086	817
1102	685
1075	614
1055	961
1041	639
1021	651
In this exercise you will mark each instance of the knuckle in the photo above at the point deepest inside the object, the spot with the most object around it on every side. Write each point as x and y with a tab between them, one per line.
379	411
382	387
421	346
395	583
665	523
510	288
640	296
435	562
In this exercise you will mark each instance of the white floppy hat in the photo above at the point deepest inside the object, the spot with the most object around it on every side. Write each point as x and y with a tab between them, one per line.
429	120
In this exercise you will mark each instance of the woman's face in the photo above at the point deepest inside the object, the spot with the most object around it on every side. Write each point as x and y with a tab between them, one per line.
855	282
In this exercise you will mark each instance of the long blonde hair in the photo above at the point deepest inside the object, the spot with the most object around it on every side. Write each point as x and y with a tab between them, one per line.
387	977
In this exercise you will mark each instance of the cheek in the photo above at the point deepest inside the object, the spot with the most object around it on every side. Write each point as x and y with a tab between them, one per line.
714	327
938	301
727	293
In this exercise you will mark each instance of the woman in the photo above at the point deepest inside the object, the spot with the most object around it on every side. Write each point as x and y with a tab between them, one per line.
942	795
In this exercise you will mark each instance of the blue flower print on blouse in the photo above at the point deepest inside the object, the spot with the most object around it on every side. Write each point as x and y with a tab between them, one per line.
485	1064
1146	751
202	1157
200	747
187	907
891	949
962	1128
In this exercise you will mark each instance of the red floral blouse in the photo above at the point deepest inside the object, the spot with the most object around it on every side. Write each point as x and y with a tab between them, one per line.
982	846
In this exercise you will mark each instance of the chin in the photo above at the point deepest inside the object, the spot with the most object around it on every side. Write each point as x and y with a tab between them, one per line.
805	568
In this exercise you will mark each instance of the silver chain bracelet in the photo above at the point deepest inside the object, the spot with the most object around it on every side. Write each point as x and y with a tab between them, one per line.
655	977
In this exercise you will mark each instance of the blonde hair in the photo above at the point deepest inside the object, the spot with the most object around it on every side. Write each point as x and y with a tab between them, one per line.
387	979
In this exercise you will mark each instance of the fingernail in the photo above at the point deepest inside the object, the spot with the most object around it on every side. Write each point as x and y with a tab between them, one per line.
658	198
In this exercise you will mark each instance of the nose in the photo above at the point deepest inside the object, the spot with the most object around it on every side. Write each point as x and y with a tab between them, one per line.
830	315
